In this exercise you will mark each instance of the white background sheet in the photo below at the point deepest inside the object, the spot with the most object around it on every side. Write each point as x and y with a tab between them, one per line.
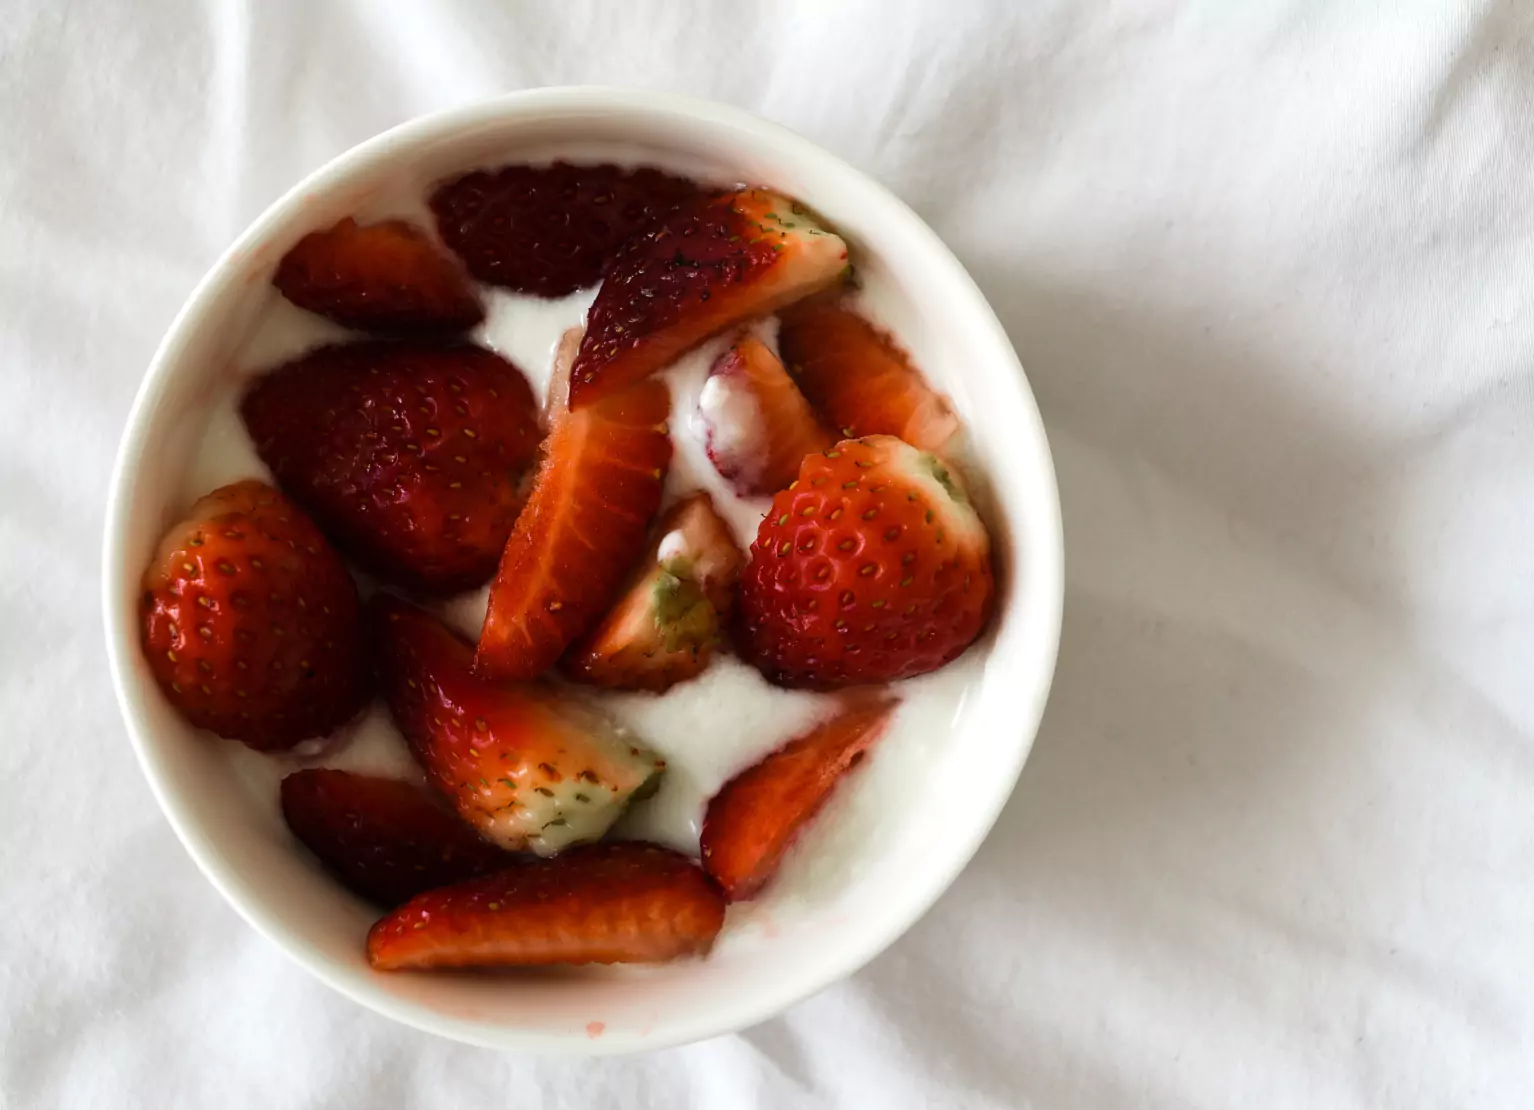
1269	269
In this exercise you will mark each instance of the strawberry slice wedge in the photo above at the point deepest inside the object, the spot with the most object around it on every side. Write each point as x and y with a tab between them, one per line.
581	531
666	625
711	265
754	819
386	277
525	767
858	379
386	840
603	904
758	426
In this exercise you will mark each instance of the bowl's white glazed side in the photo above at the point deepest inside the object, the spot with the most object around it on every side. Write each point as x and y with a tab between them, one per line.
774	953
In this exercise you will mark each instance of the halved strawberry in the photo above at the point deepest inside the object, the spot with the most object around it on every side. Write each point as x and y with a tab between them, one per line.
758	426
581	531
873	566
386	276
408	453
551	230
665	626
754	819
603	904
857	377
251	623
386	840
713	264
524	766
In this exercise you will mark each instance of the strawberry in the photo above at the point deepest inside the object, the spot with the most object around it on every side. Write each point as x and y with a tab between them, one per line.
871	567
664	628
857	377
550	230
250	621
386	840
758	426
582	530
603	904
524	767
711	265
756	816
387	277
408	453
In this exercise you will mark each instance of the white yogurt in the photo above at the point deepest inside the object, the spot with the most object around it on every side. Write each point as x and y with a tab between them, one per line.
708	729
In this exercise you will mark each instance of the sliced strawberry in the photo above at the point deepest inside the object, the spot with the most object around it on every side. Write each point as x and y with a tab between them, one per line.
387	276
603	904
754	819
408	453
581	531
758	426
715	263
857	377
665	627
551	230
251	623
386	840
522	765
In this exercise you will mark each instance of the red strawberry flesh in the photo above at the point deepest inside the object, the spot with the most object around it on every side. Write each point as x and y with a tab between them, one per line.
550	230
859	379
251	622
711	265
664	627
604	904
525	766
407	453
580	533
755	818
758	425
387	277
386	840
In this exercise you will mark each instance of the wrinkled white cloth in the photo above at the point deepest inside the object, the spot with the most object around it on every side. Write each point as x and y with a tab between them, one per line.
1269	268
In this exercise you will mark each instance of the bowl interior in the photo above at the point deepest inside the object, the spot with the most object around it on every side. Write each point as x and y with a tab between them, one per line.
950	787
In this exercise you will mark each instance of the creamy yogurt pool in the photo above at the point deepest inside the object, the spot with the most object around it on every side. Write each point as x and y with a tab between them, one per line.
708	729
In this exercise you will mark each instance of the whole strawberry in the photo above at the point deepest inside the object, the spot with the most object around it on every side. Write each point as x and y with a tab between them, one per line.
408	454
871	567
251	623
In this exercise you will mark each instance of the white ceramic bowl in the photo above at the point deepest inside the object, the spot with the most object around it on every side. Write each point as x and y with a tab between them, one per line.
943	318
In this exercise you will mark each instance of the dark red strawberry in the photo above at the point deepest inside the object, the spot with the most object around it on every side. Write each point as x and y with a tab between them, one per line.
386	840
858	379
251	623
714	263
872	566
759	427
664	628
754	819
582	531
603	904
386	277
526	767
551	230
408	453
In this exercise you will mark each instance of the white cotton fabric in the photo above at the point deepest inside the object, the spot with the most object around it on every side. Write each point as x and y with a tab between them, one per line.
1269	267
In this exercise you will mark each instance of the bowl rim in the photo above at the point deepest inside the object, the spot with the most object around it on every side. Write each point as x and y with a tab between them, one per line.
1045	554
